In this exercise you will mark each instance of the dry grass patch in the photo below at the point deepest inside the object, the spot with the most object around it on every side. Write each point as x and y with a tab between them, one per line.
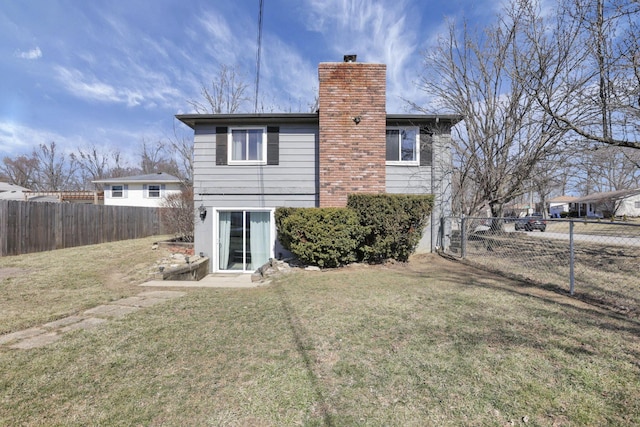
428	343
41	287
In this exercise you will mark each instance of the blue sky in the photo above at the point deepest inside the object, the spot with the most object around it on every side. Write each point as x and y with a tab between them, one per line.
114	73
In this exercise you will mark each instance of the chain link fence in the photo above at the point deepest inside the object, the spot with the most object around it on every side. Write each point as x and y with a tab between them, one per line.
597	261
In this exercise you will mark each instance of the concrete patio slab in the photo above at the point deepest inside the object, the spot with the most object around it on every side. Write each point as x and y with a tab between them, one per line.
222	280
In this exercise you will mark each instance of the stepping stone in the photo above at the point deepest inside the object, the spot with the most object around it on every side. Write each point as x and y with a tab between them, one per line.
63	322
162	294
36	341
139	301
111	310
20	335
89	323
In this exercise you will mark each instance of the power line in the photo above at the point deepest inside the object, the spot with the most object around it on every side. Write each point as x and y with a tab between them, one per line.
255	108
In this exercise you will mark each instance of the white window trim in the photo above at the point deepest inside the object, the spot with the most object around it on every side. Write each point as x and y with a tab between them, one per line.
415	162
230	160
216	239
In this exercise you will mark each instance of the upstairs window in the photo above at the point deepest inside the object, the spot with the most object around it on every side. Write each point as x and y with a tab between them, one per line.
402	145
154	191
117	191
247	146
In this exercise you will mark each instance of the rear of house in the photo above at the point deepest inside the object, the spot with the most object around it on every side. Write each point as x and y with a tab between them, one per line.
247	165
140	190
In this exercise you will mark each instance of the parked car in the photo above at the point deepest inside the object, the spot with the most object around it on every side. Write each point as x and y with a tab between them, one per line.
532	222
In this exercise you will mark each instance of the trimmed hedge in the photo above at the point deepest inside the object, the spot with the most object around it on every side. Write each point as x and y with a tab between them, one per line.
372	228
326	237
394	223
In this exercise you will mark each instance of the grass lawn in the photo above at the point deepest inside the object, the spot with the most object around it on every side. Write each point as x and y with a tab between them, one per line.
428	343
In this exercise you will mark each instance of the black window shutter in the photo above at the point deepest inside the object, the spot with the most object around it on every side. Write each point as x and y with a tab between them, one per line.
221	145
426	147
273	145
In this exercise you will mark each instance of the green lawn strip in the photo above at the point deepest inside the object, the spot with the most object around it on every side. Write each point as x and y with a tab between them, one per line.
429	343
50	285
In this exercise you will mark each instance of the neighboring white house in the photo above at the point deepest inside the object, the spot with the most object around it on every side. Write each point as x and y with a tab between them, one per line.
560	204
608	204
140	190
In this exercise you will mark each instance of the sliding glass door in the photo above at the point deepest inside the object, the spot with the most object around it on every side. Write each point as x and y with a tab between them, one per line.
244	239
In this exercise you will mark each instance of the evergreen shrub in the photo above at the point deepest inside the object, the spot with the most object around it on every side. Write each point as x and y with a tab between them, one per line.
326	237
394	223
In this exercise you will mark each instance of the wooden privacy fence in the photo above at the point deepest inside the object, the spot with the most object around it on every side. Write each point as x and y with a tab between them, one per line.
39	226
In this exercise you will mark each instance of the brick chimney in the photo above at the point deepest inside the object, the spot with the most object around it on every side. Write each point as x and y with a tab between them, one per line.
352	102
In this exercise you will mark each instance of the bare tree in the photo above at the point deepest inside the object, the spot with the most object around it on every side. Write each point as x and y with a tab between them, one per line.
182	146
22	171
504	135
178	214
157	157
96	163
226	95
585	71
56	170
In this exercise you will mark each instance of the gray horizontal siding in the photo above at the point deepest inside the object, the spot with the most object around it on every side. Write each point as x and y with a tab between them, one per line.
258	201
295	173
408	179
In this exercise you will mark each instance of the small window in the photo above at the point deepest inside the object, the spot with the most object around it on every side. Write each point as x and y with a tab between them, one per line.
154	191
636	205
247	146
402	145
117	191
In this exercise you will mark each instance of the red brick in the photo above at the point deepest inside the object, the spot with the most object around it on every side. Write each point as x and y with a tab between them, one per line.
351	156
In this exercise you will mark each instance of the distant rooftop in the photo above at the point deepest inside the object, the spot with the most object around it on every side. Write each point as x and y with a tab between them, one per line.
159	177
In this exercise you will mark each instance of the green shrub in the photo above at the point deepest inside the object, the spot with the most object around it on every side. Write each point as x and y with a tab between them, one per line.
394	223
326	237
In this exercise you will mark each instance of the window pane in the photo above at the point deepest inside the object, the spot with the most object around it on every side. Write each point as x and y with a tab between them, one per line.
255	144
116	191
154	191
408	145
238	146
393	153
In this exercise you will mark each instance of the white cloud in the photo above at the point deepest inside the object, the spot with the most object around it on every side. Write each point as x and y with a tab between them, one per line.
382	31
17	139
30	54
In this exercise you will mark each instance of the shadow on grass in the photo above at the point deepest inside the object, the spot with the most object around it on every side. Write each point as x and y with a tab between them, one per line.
487	277
298	334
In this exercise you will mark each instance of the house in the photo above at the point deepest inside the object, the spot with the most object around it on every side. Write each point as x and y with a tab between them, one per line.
608	204
560	204
12	191
247	165
140	190
16	192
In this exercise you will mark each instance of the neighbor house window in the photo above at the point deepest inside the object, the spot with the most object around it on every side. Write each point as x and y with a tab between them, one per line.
117	191
154	191
402	145
248	145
